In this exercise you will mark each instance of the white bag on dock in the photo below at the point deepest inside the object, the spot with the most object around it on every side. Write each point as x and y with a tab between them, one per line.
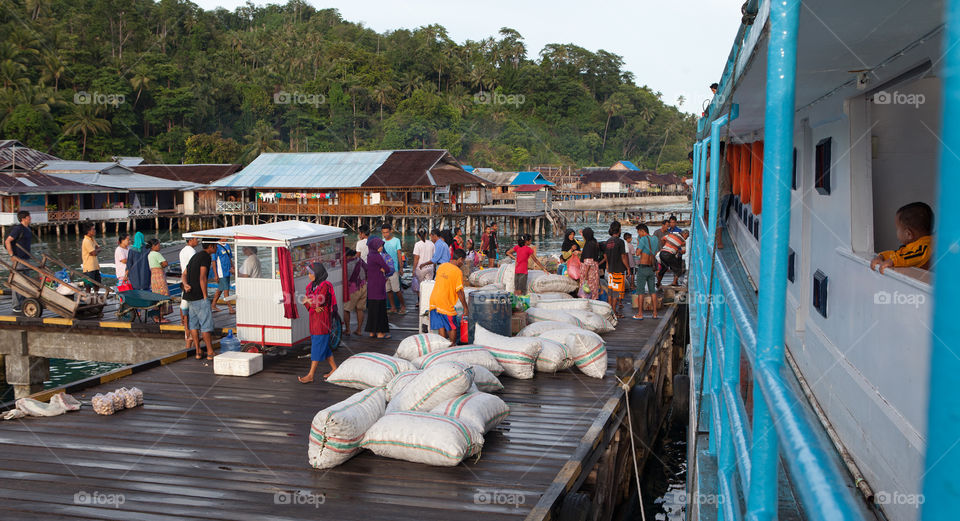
517	355
336	432
505	276
590	320
586	347
415	346
604	310
483	277
553	284
535	298
399	382
536	314
580	304
433	386
423	437
484	380
542	327
493	287
482	410
554	356
469	354
426	288
366	370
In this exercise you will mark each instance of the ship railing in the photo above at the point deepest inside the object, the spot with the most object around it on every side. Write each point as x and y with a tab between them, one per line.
748	456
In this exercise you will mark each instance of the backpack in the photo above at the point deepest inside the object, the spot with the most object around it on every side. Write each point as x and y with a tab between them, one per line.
388	260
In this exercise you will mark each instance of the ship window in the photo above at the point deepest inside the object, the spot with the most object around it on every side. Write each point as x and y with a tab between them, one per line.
904	125
793	185
822	165
792	266
756	228
820	292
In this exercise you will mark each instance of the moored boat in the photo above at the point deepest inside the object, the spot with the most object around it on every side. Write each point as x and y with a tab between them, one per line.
819	385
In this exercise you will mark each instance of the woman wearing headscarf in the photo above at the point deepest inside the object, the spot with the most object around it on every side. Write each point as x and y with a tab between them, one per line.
570	245
158	275
589	268
138	266
320	301
377	323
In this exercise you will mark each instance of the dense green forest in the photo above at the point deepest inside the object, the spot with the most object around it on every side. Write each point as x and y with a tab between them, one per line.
174	83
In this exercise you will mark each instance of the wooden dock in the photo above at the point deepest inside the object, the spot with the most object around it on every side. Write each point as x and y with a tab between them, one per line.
211	447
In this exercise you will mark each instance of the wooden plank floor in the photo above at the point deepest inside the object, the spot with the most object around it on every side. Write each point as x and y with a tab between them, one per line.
211	447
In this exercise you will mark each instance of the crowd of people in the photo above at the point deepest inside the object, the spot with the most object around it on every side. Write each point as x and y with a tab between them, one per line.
629	266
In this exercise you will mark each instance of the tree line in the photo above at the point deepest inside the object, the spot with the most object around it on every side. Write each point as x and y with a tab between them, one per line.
174	83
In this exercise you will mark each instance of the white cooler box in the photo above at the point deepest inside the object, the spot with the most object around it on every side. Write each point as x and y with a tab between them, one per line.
237	363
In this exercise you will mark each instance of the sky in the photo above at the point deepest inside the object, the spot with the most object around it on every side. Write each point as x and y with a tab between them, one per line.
675	47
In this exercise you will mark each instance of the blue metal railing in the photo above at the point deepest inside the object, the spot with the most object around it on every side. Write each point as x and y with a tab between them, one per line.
940	487
748	458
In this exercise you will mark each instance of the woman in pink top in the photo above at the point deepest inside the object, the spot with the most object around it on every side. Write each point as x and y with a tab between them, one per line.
523	253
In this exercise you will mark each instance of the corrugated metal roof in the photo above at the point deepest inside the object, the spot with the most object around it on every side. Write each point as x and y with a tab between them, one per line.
629	165
125	181
61	166
530	178
128	160
301	170
285	231
498	178
37	183
14	155
200	173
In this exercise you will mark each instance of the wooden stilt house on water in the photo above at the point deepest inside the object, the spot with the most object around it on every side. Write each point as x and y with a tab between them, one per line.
401	183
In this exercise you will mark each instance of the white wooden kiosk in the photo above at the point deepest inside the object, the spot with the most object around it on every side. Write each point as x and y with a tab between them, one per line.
260	316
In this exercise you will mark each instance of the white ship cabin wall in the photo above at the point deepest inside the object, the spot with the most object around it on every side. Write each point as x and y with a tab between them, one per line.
866	353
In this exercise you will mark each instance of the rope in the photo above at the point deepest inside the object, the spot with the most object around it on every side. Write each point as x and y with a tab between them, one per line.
633	448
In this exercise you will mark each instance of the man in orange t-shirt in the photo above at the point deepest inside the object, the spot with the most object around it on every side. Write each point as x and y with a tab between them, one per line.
447	288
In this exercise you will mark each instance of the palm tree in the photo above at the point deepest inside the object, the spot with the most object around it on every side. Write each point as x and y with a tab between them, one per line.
381	94
37	7
140	81
85	119
410	82
53	69
611	107
263	138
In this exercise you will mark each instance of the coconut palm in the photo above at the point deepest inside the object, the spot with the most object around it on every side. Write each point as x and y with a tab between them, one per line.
140	81
85	120
263	138
611	107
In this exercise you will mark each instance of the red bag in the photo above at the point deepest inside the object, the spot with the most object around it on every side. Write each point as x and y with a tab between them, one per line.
464	333
126	286
573	267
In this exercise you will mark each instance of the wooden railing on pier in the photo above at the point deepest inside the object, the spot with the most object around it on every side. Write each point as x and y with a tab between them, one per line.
319	207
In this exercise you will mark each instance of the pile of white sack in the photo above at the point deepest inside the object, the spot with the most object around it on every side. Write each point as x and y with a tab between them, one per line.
538	281
434	409
432	402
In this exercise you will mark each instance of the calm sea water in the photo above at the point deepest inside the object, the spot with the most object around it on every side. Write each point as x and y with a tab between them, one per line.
665	476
